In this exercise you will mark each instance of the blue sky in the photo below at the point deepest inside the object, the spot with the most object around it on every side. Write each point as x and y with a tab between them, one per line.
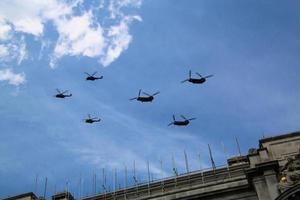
251	47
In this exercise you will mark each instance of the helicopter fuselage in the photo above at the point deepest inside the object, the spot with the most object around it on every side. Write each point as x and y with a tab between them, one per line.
181	123
145	99
90	121
62	96
197	81
92	78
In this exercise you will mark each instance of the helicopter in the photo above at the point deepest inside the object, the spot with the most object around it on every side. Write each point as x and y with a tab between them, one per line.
92	77
200	80
148	98
91	120
62	94
185	122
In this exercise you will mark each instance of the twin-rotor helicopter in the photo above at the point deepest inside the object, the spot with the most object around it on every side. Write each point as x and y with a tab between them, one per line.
183	122
200	80
91	120
62	94
92	77
147	98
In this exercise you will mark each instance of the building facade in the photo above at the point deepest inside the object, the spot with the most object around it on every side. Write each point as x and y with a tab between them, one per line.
269	172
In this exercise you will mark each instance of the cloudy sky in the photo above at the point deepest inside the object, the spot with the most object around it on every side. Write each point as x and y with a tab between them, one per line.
252	47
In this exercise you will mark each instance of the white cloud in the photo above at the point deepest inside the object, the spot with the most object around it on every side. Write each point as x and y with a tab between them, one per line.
3	51
29	16
119	40
115	6
11	77
14	50
79	36
22	52
79	33
4	30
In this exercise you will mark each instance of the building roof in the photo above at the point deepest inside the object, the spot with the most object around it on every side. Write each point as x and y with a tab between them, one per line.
29	194
278	137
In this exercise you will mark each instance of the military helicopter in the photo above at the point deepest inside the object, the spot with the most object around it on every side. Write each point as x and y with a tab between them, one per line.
200	80
91	120
148	98
62	94
181	123
92	77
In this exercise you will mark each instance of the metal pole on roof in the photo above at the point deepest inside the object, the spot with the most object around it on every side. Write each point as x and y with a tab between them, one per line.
201	170
162	175
226	157
45	189
186	162
211	158
148	169
238	146
36	183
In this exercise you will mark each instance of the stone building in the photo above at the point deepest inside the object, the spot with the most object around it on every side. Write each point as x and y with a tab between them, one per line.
269	172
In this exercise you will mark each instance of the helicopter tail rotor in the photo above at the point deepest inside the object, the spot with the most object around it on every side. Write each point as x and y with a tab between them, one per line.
173	117
139	92
190	74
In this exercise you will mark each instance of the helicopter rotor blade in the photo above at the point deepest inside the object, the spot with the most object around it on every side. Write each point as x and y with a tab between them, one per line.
191	119
184	80
87	73
208	76
190	74
58	91
65	92
173	117
89	116
147	94
183	117
139	92
94	73
133	98
199	74
170	123
156	93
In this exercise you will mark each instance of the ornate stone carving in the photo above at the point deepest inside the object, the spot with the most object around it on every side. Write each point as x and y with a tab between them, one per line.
290	173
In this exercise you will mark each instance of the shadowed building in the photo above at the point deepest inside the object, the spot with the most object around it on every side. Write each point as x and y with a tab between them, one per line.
270	172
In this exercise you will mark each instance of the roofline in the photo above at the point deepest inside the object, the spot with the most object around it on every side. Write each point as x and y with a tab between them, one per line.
31	194
278	137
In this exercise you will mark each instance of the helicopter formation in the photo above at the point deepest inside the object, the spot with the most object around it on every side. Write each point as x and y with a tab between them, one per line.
147	98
